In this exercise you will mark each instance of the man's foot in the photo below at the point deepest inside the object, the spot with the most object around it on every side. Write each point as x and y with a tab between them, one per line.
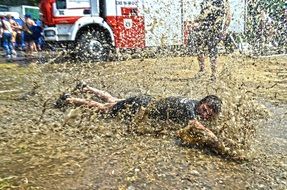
80	86
61	102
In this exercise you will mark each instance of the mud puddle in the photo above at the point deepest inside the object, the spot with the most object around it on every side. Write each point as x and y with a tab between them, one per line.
44	148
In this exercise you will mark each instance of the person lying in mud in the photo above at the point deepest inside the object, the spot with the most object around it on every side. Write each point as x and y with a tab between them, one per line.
178	110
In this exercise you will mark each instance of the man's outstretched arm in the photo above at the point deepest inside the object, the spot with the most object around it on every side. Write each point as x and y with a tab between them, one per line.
196	133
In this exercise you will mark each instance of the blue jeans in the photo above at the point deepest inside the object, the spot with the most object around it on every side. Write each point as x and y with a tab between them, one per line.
7	43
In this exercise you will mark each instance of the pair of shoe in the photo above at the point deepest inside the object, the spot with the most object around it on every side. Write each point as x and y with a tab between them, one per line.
61	102
80	86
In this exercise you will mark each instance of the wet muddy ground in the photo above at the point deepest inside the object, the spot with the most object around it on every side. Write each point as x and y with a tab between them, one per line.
74	148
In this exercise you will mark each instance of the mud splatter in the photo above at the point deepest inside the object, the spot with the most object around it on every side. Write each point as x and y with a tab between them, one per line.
74	148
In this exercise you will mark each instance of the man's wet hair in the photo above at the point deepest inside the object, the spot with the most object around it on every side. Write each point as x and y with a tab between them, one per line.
213	101
27	16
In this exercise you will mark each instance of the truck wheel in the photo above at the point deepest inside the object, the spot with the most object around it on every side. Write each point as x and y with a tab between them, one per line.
93	45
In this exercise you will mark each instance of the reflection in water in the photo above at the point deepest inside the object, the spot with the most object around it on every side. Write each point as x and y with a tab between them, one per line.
76	149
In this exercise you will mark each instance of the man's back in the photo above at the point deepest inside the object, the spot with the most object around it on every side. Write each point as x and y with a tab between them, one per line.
6	26
176	109
213	13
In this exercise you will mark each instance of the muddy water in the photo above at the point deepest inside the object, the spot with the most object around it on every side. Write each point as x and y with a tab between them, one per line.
74	148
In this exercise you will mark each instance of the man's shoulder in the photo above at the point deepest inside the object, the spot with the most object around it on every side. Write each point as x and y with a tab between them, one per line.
31	22
179	99
6	22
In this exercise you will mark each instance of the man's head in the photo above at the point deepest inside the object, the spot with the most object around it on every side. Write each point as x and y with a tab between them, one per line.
209	107
9	16
27	16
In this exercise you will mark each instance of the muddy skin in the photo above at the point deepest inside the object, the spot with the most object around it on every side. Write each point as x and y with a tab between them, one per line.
75	148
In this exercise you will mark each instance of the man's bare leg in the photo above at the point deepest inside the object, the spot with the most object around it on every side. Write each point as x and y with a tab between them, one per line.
103	95
200	59
91	104
213	63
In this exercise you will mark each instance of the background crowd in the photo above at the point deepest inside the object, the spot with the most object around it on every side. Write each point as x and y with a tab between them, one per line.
266	26
20	34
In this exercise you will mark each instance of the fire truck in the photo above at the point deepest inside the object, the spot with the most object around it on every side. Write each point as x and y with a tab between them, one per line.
97	26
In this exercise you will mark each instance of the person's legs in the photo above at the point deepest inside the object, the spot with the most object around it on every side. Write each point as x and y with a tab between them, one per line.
13	39
18	41
66	99
213	51
23	44
38	44
7	44
200	59
26	41
11	48
33	46
103	95
213	64
30	44
27	48
201	44
91	104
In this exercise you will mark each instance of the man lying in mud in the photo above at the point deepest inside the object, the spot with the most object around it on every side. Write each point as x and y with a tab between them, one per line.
178	110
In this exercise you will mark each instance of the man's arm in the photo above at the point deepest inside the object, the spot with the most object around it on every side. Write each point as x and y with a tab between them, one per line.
15	25
1	31
197	133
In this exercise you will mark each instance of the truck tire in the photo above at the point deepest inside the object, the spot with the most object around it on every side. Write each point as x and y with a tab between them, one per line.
93	46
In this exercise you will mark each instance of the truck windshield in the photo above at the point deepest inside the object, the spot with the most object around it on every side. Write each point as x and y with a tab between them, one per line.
61	4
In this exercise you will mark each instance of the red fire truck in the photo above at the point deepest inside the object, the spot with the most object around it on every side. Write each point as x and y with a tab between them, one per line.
96	26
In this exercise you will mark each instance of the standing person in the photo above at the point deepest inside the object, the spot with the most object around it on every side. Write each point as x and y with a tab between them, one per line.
187	112
212	25
6	33
15	27
28	34
37	35
17	30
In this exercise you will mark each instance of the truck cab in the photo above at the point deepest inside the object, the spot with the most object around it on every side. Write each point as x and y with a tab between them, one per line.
80	23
